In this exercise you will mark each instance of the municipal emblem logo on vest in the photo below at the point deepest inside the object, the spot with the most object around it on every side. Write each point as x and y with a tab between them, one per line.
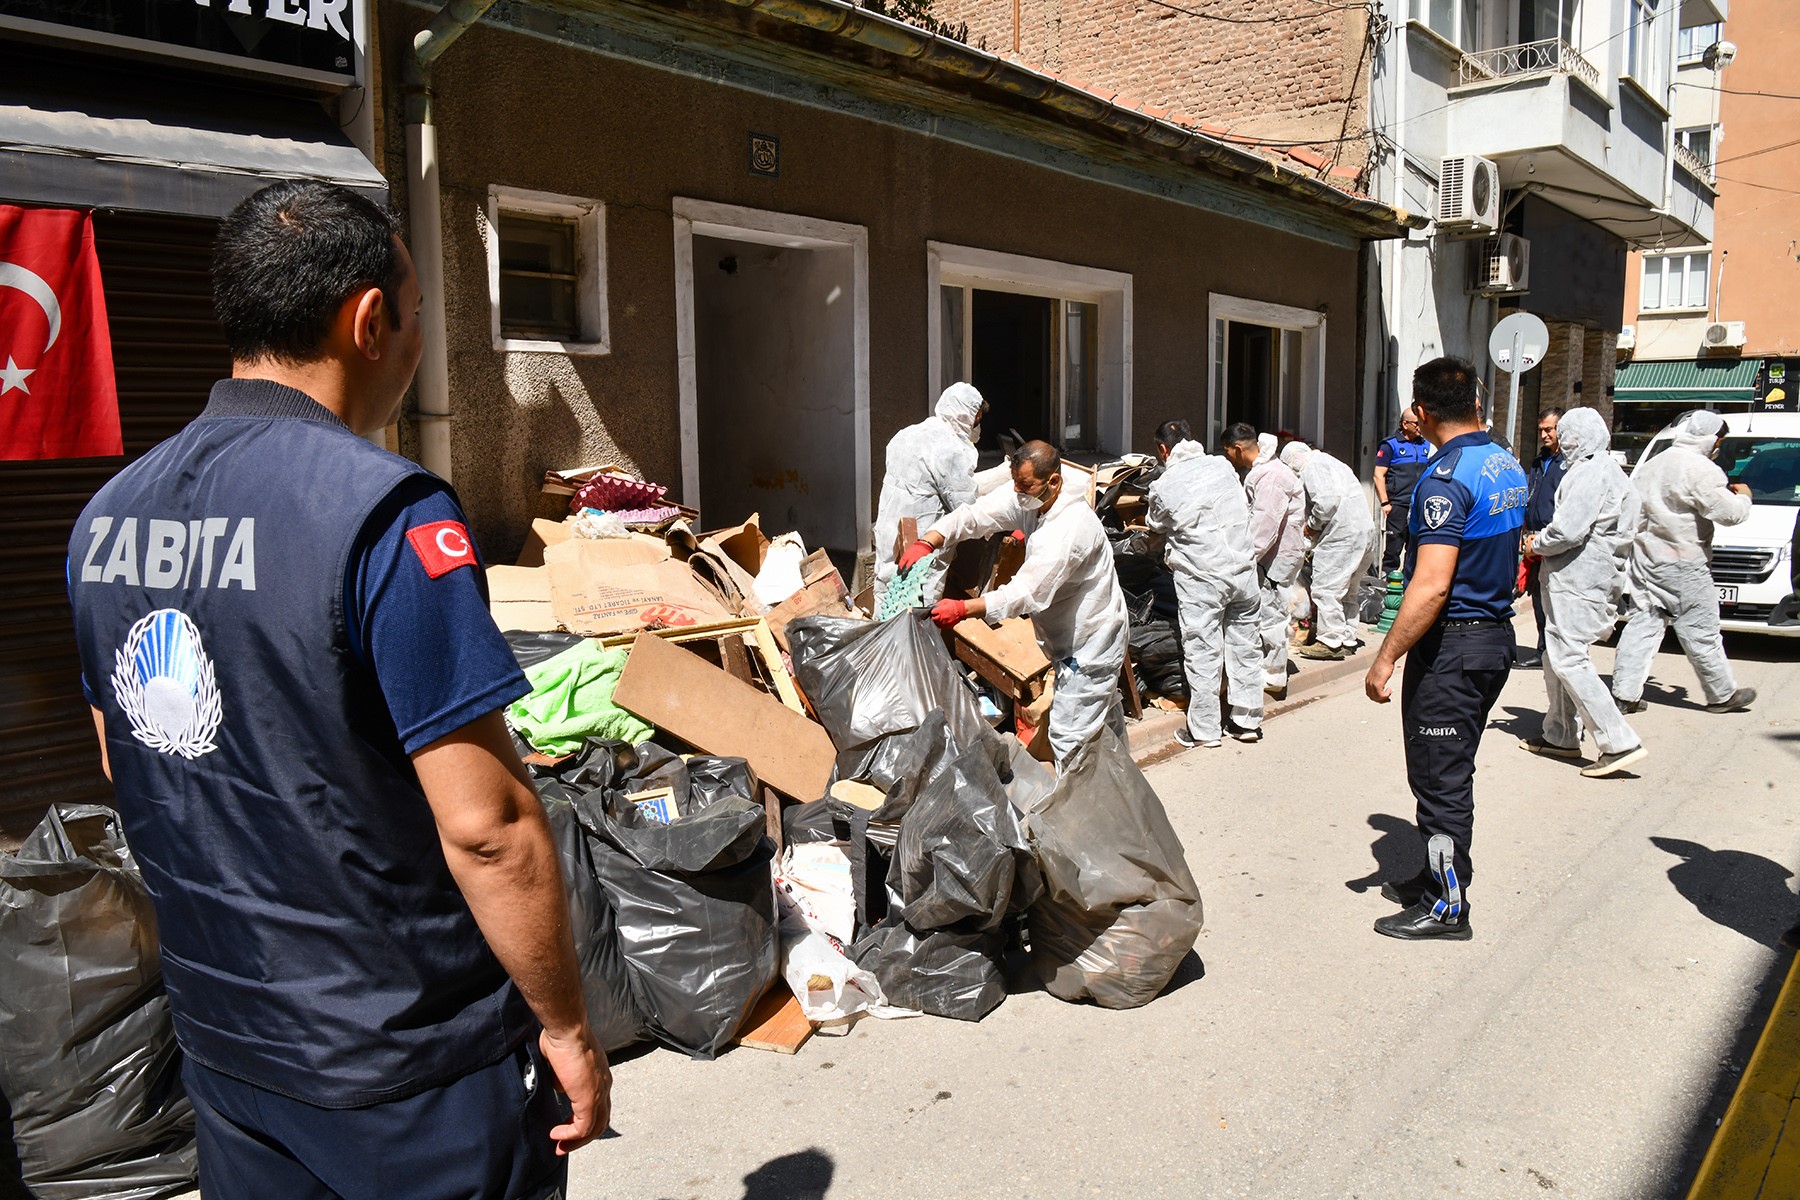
165	683
1437	511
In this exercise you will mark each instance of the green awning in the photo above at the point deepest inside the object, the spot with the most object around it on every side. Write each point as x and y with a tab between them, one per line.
1696	383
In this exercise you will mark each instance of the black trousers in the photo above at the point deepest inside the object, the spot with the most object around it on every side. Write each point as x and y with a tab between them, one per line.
1393	542
1451	680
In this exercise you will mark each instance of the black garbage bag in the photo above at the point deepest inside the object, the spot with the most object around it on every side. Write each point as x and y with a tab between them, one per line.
961	860
944	972
1156	653
901	765
1371	594
868	680
713	778
1120	908
605	981
530	649
88	1059
695	907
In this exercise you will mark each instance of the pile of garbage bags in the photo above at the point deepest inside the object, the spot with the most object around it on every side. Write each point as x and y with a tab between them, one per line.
88	1061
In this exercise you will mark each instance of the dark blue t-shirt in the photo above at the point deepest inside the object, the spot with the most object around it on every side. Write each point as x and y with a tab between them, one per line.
1473	497
1405	462
429	640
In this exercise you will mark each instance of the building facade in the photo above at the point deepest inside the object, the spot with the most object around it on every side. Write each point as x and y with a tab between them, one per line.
1714	325
157	119
736	250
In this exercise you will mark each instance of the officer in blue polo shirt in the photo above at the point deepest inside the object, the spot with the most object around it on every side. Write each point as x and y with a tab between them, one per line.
285	640
1399	465
1455	630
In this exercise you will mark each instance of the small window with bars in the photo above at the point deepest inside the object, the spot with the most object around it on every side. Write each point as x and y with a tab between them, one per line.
546	272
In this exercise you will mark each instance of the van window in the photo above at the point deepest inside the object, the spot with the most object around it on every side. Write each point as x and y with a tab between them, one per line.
1770	467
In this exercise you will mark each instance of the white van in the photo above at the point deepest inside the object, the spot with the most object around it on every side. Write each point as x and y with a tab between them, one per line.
1751	562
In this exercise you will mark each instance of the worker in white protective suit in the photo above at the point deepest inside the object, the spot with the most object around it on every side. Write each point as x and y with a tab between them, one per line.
1583	549
1199	511
1067	586
1277	540
1669	575
1343	532
930	472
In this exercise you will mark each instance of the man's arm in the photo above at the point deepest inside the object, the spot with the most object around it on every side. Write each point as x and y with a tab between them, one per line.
996	512
1425	597
1381	488
499	849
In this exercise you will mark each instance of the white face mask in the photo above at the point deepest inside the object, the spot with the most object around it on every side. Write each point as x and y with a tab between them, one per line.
975	434
1032	503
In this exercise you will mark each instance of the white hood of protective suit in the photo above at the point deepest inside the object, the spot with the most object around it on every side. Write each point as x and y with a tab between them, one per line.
1698	431
1266	443
1582	433
958	408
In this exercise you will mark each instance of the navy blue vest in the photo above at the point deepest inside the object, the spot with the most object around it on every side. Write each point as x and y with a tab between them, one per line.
313	940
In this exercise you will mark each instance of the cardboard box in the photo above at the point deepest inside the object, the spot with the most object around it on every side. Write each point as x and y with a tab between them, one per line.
822	593
678	691
519	599
617	585
1005	655
544	534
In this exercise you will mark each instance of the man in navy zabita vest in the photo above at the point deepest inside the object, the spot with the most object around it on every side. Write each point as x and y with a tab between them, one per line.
1454	629
285	640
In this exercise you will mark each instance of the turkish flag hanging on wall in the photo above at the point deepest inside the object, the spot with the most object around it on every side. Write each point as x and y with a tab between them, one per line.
57	395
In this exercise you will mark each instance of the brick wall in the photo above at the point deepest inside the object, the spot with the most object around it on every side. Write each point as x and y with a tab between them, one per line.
1300	72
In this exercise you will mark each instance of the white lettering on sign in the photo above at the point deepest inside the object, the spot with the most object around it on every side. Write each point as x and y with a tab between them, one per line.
314	14
174	554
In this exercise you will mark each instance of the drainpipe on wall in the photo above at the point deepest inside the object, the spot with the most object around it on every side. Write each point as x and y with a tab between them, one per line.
425	220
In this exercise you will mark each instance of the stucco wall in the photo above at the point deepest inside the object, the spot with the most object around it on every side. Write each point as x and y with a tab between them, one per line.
532	113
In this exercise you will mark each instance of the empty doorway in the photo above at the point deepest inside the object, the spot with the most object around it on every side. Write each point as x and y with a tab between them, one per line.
1268	368
772	342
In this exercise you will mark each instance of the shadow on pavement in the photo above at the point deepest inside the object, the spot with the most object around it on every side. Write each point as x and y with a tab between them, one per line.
1518	722
1741	891
804	1175
1397	853
1755	647
1749	894
1191	970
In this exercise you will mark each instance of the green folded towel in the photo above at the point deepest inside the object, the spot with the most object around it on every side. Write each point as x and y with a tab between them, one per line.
571	701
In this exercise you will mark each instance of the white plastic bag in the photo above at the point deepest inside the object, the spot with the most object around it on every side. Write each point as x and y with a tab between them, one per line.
780	574
828	985
814	884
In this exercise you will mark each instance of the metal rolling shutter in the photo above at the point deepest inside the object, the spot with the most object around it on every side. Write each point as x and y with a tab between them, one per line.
167	352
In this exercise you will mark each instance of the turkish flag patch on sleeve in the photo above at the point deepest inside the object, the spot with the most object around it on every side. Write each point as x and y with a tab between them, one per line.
442	546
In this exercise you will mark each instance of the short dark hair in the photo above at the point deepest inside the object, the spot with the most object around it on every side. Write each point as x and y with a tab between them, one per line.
288	257
1238	434
1173	433
1044	459
1446	386
1555	410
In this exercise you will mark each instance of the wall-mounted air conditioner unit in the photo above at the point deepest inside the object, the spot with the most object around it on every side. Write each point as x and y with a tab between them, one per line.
1723	337
1501	266
1468	199
1628	339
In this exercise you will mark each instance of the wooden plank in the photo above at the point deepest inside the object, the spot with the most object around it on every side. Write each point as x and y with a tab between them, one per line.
776	1023
755	633
734	656
678	691
1134	703
1012	644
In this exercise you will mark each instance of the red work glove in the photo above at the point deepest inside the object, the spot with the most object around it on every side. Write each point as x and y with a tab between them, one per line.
946	614
914	553
1018	535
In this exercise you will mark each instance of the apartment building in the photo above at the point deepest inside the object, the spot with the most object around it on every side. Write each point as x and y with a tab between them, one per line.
1715	325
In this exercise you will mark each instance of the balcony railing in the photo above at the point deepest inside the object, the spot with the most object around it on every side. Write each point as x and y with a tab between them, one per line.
1531	58
1696	166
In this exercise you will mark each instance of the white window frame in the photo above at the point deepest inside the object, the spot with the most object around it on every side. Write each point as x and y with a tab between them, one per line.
590	268
949	265
1661	262
1711	131
1644	50
1696	50
1310	325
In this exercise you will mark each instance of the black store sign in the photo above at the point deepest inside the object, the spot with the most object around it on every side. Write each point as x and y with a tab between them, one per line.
279	35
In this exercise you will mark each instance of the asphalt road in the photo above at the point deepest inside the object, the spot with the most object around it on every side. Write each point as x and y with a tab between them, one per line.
1581	1045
